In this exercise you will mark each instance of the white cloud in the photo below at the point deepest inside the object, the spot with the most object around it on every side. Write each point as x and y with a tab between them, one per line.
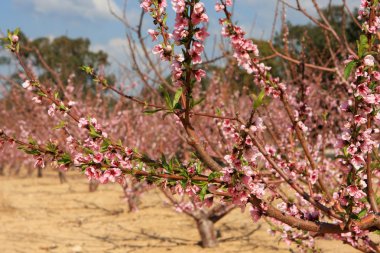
115	47
89	9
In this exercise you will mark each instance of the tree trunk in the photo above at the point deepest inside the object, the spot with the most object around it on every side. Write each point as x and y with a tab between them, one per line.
93	185
207	232
62	177
133	203
39	172
130	194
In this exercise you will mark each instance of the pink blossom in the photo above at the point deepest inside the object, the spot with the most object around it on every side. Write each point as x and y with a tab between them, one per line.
362	90
63	167
219	7
125	164
258	126
357	161
176	68
201	34
360	120
82	123
92	173
191	170
40	163
153	34
128	151
313	176
157	49
98	158
14	38
37	100
71	103
259	190
51	110
370	99
26	84
355	192
302	126
145	4
352	149
179	57
369	61
79	159
110	175
199	74
178	5
346	136
199	8
293	210
255	213
376	75
192	190
199	18
282	207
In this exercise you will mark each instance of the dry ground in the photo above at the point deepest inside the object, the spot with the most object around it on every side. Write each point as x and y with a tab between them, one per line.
42	215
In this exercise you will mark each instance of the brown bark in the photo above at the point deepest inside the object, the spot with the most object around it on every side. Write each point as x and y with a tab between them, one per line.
93	185
206	231
39	172
62	177
133	203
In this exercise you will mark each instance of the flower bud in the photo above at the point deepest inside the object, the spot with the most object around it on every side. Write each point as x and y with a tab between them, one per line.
26	84
369	61
14	38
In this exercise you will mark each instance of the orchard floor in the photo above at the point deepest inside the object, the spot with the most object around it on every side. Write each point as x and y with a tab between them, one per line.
42	215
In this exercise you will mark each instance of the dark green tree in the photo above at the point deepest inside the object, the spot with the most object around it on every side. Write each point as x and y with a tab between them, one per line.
63	56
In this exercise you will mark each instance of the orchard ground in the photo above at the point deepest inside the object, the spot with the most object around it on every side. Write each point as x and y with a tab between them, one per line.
42	215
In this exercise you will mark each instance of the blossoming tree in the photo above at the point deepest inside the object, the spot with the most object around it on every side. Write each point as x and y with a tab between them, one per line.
299	152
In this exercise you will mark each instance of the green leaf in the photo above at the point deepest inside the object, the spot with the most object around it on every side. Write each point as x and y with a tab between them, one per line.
61	124
16	31
259	100
119	143
168	100
177	96
198	168
40	93
149	112
214	175
104	146
65	159
362	213
51	147
362	45
32	141
86	69
203	192
218	112
345	151
93	133
348	69
29	151
194	103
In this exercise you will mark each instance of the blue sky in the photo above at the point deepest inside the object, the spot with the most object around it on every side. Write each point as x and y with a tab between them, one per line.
92	19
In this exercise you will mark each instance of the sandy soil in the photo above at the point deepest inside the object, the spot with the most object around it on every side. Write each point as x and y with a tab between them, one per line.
42	215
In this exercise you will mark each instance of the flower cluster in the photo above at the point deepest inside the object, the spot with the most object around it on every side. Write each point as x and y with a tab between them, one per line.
186	32
364	14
